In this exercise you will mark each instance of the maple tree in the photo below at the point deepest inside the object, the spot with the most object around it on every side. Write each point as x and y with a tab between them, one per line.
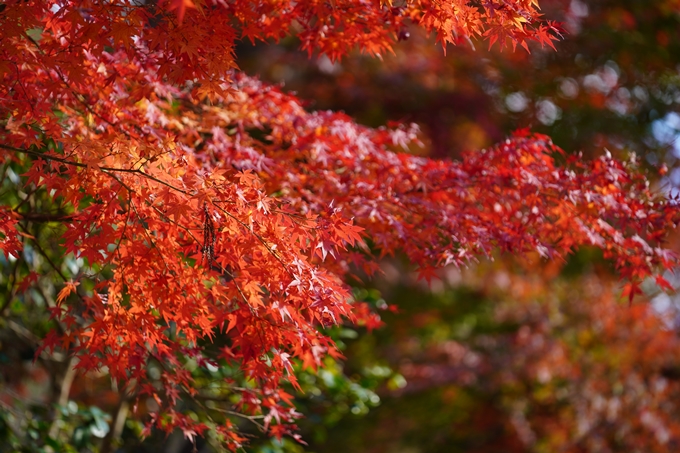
470	383
213	222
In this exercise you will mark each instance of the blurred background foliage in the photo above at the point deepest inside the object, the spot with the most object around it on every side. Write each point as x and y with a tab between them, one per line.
505	356
611	78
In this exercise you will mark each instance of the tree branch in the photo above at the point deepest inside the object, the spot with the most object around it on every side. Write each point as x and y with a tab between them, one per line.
82	165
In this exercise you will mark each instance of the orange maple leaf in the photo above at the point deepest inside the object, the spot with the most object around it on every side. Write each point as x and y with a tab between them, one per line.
70	287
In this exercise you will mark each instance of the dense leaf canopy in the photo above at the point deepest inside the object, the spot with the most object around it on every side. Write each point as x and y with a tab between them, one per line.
216	221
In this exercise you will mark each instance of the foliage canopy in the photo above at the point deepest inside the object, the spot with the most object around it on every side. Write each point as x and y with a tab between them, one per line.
213	223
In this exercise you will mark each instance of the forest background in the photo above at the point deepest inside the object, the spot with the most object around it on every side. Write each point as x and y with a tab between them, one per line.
509	355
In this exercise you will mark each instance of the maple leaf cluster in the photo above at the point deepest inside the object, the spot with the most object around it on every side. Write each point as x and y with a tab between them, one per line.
241	216
44	43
